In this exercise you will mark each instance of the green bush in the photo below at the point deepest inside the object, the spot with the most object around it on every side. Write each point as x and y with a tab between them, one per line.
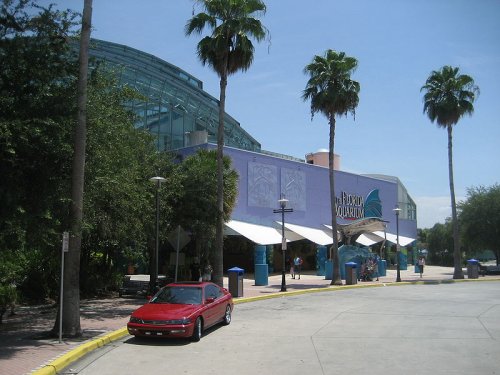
8	297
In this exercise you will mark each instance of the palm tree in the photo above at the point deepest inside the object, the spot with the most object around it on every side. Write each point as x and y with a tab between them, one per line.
71	294
333	93
227	50
448	96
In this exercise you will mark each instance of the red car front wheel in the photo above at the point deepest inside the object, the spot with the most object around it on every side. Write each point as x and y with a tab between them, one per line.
227	315
198	328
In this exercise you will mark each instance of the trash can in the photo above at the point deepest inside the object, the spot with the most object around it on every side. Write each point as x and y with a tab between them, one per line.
350	273
261	274
472	269
235	281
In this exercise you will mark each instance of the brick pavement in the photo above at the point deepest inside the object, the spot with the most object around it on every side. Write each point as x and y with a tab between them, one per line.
25	347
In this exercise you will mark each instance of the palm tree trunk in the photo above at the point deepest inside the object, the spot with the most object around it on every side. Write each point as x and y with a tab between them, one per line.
219	230
457	255
71	295
334	253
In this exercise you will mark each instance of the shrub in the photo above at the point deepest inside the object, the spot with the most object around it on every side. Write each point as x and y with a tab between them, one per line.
8	297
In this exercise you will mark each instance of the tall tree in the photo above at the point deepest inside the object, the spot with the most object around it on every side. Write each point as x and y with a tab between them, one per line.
227	50
119	161
333	93
37	119
439	240
71	296
35	126
479	218
449	96
196	205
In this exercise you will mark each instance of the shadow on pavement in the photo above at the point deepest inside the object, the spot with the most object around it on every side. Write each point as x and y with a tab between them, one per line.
30	327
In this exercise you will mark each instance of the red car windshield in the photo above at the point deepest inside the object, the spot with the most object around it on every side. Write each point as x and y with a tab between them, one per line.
179	295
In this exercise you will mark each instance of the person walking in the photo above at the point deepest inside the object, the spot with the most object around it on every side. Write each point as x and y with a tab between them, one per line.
297	265
292	268
421	264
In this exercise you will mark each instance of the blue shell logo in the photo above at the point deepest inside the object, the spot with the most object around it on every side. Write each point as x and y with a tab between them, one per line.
373	205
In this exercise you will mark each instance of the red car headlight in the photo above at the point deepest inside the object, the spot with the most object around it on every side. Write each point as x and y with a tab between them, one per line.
136	320
183	321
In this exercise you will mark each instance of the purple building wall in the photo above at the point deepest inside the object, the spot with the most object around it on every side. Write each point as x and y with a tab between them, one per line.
263	178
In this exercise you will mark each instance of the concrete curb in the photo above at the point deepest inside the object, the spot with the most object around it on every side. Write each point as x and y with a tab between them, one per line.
57	365
332	288
66	359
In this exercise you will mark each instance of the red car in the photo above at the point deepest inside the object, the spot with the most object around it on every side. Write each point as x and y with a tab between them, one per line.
183	309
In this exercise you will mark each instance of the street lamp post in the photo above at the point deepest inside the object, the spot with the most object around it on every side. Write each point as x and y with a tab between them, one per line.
282	201
398	277
154	261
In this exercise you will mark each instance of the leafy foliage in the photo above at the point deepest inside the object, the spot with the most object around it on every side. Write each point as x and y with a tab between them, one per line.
35	129
119	198
197	204
8	297
35	165
33	132
440	244
35	155
479	218
38	40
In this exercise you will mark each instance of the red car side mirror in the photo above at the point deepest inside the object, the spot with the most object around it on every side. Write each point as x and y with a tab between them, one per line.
210	300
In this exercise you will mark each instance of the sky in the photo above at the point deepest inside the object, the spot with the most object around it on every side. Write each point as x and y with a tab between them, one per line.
397	43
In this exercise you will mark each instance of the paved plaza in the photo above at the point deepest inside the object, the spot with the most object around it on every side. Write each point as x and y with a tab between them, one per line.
25	348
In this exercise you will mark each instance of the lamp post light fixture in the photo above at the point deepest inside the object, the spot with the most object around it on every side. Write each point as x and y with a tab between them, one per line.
398	276
282	202
154	266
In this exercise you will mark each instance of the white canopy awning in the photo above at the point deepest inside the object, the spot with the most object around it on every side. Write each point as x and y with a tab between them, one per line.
330	232
368	239
403	241
315	235
266	235
260	234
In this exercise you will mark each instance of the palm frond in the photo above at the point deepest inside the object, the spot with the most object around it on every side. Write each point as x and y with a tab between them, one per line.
198	23
448	96
330	87
233	24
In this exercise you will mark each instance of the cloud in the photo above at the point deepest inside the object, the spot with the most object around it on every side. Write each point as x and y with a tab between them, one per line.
432	210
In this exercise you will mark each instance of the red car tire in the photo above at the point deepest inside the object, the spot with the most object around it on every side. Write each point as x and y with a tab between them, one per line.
227	316
198	329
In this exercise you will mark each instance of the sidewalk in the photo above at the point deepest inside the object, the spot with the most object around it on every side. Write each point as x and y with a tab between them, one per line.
25	347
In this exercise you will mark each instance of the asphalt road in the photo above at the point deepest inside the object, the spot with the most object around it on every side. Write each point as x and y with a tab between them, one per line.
411	329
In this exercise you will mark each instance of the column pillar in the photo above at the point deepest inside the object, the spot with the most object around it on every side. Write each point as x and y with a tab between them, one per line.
320	260
260	265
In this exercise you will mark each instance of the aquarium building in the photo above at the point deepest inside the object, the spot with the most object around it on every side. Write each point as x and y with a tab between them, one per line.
183	117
